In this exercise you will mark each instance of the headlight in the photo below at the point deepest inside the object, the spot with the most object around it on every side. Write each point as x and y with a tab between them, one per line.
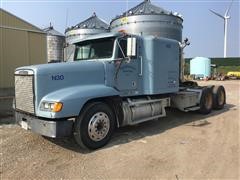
51	106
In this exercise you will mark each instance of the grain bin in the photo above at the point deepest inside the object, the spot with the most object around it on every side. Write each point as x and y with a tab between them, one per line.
200	67
90	26
148	19
55	44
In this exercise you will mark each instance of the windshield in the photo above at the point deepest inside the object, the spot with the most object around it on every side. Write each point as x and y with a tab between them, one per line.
94	49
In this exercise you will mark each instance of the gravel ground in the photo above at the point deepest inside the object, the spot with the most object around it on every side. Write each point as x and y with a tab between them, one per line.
181	145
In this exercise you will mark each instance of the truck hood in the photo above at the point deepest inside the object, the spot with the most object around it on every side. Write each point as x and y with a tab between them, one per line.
73	67
52	77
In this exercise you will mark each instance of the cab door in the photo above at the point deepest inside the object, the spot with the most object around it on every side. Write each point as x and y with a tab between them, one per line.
127	67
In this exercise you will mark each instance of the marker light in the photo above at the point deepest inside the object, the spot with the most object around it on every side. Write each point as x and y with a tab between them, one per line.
57	106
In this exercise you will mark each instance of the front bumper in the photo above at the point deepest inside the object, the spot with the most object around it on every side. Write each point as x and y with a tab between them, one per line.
49	128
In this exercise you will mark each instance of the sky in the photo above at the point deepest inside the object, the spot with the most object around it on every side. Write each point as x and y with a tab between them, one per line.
204	30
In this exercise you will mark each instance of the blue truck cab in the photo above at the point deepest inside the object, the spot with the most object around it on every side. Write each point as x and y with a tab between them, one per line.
116	79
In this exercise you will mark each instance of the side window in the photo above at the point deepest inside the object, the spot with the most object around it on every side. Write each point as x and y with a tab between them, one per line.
123	45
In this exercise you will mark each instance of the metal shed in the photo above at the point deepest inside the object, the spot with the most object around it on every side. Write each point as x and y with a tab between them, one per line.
21	44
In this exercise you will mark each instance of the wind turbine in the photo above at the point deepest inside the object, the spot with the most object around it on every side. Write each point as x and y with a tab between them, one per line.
225	17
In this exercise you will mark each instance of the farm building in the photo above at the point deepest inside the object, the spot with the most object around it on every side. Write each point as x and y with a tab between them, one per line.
55	44
21	44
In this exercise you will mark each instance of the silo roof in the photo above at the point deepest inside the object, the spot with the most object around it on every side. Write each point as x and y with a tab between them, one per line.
92	22
145	8
51	31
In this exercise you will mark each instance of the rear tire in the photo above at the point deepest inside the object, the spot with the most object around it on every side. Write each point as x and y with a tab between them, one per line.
206	101
94	126
219	97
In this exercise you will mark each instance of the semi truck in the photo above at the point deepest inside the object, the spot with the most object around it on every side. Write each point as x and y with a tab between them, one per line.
116	79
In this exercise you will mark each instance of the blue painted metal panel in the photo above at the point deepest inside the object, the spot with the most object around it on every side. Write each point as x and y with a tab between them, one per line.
74	80
160	65
154	71
73	99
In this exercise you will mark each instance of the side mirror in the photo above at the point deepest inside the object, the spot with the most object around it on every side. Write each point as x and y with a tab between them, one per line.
186	42
131	46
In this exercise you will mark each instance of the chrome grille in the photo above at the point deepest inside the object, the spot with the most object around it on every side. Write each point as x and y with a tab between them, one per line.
24	93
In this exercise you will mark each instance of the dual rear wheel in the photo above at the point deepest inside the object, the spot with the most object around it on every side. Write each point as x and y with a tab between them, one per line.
212	98
219	97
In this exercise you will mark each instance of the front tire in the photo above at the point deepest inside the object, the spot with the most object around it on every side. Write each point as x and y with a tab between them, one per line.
95	125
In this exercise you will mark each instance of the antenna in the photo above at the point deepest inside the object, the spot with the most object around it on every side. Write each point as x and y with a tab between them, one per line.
66	25
225	17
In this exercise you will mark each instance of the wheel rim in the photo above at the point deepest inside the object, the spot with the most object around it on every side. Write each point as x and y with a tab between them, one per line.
208	101
221	98
98	126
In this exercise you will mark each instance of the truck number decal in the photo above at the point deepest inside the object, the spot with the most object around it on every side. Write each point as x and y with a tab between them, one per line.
57	77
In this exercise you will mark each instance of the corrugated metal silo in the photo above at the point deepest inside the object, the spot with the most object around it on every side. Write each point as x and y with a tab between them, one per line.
149	19
90	26
55	44
200	67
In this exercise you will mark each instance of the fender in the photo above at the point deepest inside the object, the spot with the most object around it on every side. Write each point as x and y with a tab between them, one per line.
73	99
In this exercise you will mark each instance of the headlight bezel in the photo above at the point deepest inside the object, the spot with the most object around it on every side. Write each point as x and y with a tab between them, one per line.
51	106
